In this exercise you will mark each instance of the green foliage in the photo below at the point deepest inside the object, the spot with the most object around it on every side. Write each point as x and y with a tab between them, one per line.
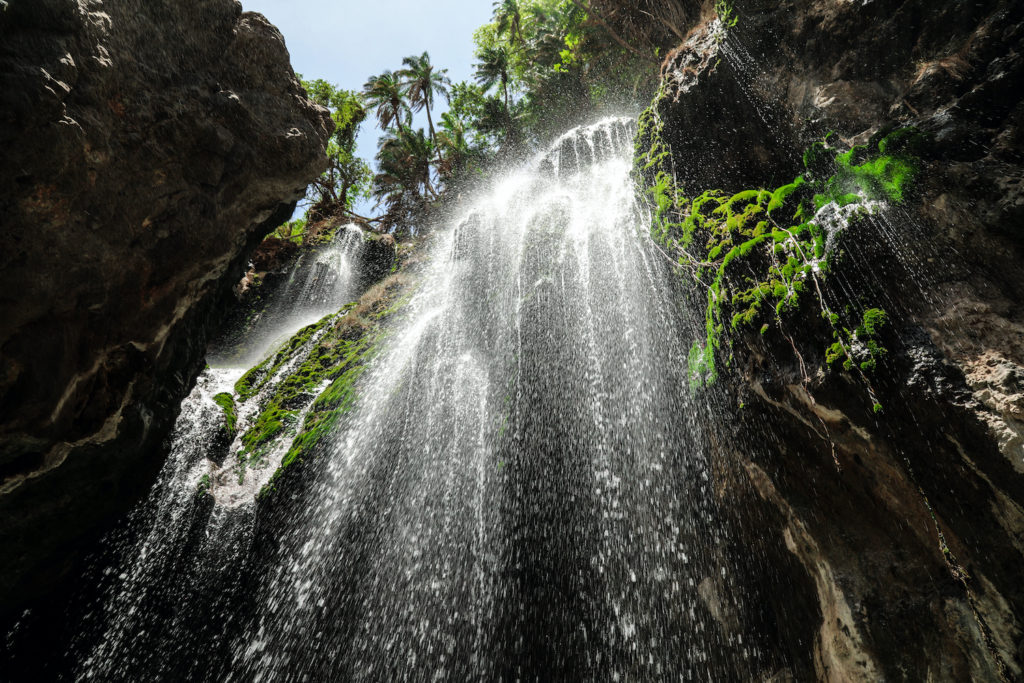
347	177
508	20
725	13
541	64
550	64
423	84
403	181
294	230
386	95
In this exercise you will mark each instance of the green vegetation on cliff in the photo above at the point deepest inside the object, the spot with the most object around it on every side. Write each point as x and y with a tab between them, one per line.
540	65
330	373
227	404
758	251
257	377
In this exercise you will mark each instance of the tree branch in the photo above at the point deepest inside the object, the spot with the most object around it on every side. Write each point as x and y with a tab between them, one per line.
668	24
597	17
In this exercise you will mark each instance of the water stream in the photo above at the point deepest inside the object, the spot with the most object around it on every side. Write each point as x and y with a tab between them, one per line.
320	281
160	596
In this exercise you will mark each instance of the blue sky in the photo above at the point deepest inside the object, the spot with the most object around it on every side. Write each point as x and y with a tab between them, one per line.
346	41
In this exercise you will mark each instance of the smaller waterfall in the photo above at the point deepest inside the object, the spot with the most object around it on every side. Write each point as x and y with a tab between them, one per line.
321	280
149	580
178	557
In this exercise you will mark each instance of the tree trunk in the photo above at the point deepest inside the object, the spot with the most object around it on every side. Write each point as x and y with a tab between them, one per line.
430	126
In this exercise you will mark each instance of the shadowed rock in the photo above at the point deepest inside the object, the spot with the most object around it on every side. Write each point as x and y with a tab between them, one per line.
147	147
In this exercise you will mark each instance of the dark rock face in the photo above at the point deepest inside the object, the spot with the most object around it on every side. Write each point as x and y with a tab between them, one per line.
706	97
909	522
147	146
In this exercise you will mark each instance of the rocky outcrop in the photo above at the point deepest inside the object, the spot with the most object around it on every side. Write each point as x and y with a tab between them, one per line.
897	482
147	148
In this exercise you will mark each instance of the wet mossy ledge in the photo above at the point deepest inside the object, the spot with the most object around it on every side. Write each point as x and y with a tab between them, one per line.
761	256
306	388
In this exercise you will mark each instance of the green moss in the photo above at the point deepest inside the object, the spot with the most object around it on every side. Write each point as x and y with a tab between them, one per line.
256	378
859	346
227	404
270	423
883	171
342	368
331	373
249	383
874	320
759	250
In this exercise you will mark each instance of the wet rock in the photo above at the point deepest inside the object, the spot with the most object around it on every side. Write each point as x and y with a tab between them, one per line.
146	151
724	133
378	258
908	520
274	255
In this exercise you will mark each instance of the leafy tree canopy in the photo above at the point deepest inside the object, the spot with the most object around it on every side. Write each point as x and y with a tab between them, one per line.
542	66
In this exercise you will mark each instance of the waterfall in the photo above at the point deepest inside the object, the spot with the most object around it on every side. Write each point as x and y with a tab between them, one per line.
522	490
322	279
165	584
154	581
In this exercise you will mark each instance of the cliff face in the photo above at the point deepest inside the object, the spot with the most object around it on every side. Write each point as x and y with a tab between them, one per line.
147	148
895	480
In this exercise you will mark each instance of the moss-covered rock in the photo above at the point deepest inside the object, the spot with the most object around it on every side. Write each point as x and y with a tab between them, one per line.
756	252
332	371
227	404
257	377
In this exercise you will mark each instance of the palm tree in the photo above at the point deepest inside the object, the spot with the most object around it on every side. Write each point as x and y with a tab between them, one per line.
452	139
423	83
386	94
403	157
493	69
509	20
403	177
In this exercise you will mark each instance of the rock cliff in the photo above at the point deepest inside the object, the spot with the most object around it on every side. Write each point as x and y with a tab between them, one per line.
147	147
870	365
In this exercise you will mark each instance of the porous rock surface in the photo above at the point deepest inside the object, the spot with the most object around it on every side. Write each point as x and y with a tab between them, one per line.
906	525
147	146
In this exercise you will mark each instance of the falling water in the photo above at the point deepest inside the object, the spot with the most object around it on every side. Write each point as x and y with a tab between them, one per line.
320	281
523	493
158	600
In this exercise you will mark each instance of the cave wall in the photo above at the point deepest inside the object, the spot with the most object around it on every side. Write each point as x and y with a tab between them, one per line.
147	145
907	520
